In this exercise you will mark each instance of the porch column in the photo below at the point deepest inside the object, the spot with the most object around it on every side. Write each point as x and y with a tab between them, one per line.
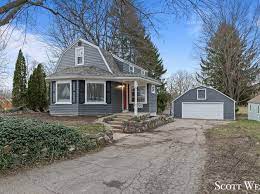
135	103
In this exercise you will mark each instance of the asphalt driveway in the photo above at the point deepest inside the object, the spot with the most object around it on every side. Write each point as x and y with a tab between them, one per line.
169	159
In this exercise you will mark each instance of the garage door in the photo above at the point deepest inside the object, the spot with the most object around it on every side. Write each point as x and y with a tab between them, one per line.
207	110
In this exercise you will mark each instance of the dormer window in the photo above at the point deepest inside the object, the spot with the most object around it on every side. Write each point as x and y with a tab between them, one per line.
201	94
143	72
131	69
79	55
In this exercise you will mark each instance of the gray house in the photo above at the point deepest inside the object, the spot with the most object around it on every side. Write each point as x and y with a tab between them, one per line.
91	81
254	109
204	103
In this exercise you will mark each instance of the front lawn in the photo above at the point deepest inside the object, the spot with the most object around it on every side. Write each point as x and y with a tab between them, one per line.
233	154
26	142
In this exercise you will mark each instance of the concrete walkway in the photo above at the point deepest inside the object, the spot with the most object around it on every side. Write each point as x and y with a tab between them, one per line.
168	160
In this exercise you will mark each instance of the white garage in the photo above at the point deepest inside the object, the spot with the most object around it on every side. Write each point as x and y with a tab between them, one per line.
198	110
204	102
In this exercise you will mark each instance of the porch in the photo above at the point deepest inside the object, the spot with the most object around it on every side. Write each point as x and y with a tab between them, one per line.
101	97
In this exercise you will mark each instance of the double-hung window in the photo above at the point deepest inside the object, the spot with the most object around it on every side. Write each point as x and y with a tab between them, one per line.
79	55
63	94
141	94
95	92
131	69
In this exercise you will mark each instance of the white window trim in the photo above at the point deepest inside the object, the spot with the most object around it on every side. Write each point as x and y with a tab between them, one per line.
86	89
64	82
76	58
153	88
133	70
130	94
198	94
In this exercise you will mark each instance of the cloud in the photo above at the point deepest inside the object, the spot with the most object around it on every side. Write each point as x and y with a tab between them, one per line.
34	48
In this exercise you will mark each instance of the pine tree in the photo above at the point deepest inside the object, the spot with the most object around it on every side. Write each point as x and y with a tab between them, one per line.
150	59
229	65
37	91
19	92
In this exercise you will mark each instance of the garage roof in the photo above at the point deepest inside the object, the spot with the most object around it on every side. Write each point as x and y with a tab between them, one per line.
202	86
255	99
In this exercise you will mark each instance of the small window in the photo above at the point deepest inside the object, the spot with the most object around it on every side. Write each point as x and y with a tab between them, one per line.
95	93
143	72
141	94
153	89
131	69
250	107
201	94
64	92
79	55
258	111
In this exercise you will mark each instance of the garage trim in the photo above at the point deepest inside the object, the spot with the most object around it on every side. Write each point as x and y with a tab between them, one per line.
202	103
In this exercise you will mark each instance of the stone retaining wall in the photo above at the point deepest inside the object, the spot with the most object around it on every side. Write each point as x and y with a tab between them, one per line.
138	125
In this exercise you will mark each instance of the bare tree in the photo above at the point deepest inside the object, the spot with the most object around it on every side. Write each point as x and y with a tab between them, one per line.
180	82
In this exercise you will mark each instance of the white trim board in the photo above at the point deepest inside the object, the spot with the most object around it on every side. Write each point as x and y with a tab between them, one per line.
64	82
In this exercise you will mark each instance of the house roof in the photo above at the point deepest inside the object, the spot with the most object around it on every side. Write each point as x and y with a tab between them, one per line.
255	99
112	71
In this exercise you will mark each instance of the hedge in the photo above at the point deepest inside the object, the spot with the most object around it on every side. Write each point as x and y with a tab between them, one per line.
24	142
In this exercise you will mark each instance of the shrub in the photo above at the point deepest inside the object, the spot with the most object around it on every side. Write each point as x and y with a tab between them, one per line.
24	142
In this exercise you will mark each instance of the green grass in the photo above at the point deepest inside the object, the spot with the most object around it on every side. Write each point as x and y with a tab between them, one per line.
238	128
92	128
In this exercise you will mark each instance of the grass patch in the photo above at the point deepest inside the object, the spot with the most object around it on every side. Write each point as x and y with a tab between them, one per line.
92	128
239	128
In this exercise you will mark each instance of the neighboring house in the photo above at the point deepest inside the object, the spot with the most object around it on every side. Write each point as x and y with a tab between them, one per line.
254	108
91	81
204	103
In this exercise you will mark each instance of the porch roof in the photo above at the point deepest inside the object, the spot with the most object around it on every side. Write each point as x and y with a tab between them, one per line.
92	72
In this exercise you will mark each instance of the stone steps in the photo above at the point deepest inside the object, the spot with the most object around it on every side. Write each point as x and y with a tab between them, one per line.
117	122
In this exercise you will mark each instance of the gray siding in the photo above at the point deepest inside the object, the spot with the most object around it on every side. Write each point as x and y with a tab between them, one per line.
253	111
151	105
212	96
91	109
124	68
92	57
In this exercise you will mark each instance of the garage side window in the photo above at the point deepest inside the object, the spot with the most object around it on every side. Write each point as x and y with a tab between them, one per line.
201	94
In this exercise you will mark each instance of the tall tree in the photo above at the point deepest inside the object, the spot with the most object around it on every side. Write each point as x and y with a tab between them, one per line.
19	93
148	57
37	90
229	66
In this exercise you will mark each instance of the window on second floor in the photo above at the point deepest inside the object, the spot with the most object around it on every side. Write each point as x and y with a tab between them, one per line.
143	72
79	55
131	69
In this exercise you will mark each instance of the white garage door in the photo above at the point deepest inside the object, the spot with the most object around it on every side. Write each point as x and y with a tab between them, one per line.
207	110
